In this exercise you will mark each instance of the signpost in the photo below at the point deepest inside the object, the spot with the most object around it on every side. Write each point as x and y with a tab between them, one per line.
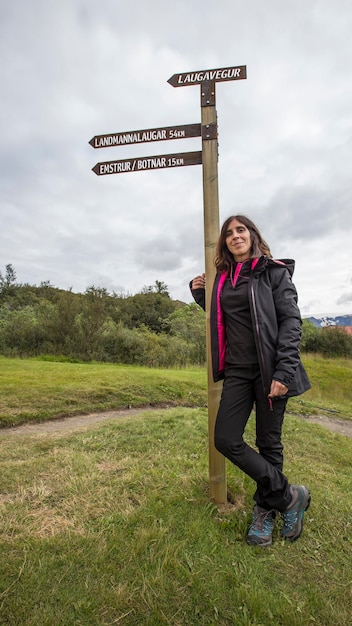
208	156
207	79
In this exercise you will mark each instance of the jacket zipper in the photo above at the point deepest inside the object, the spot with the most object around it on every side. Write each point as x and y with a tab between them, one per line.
260	346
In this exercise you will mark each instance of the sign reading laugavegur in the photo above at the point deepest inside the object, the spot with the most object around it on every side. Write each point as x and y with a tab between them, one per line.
217	75
162	161
143	136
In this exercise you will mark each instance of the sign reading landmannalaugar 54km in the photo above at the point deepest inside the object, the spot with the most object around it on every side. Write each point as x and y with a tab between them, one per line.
148	135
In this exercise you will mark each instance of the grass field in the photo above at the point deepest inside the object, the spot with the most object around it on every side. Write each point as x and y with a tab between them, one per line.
113	525
36	390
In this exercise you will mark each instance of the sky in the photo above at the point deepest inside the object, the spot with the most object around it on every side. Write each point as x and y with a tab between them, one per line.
74	69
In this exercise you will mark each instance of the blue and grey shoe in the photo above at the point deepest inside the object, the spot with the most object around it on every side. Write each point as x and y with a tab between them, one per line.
294	515
261	529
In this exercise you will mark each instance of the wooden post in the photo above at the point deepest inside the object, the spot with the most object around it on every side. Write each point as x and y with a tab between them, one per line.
217	467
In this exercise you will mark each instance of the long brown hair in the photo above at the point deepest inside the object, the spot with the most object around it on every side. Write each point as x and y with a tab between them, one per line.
223	257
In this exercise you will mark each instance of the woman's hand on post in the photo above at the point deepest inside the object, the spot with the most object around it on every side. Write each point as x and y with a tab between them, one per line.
198	282
277	389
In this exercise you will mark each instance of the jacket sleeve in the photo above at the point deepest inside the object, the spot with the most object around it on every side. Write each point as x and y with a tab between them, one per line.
198	296
289	326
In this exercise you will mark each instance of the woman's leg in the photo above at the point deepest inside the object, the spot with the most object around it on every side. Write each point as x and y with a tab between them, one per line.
235	407
236	404
269	421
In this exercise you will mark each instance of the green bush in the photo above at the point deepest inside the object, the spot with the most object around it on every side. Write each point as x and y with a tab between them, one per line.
330	341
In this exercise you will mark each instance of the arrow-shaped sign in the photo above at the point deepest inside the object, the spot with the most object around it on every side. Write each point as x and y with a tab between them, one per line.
143	136
161	161
219	75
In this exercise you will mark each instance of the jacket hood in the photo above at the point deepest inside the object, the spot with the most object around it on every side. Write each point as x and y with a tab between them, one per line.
266	261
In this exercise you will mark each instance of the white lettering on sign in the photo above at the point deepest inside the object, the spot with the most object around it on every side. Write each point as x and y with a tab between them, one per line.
162	161
177	134
121	139
175	162
144	136
115	168
199	77
150	163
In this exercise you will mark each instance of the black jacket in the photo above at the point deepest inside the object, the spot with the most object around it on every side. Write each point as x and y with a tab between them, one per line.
276	322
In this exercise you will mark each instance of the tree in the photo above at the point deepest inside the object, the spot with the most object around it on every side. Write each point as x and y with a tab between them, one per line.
8	282
10	277
335	342
330	341
90	321
21	332
188	323
158	287
59	321
310	337
148	309
161	288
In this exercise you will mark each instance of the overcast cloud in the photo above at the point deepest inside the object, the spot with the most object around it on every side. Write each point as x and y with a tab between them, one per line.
72	69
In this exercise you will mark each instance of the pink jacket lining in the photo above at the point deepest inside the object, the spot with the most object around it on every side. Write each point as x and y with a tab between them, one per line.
220	316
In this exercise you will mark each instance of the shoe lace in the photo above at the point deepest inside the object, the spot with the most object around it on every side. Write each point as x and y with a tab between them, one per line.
262	521
290	518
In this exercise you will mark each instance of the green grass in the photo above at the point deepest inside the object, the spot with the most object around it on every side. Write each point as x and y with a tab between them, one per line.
331	381
36	390
113	525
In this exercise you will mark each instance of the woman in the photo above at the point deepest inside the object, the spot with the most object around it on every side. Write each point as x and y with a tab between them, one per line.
255	337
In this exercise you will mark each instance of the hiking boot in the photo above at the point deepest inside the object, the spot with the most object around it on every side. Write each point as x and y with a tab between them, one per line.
261	529
294	514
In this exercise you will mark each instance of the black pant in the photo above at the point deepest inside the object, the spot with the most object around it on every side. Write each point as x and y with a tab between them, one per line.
242	388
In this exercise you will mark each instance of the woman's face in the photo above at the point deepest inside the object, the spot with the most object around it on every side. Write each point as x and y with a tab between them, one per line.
238	240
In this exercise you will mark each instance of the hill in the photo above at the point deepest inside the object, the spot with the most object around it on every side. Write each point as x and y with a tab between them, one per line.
326	320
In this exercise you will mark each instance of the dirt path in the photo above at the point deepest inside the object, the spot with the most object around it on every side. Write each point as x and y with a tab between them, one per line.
82	422
70	424
343	427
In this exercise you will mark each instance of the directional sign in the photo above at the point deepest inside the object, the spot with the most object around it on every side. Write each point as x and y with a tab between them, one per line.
142	136
219	75
162	161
